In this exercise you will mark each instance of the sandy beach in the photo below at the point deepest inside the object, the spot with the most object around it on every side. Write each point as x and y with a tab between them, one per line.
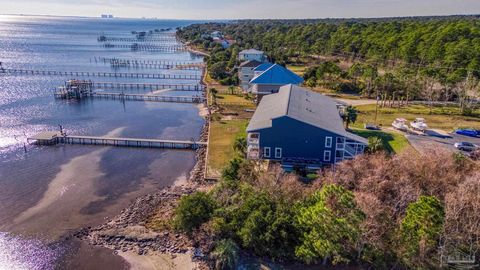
159	261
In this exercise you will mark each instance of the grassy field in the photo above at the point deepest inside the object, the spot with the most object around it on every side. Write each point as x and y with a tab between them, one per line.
220	148
299	70
444	118
235	99
393	142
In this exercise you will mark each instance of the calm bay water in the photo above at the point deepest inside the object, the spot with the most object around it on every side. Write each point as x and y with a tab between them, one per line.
47	192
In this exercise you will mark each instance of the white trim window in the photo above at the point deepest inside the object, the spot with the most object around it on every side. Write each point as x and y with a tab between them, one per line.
328	142
327	155
278	152
266	152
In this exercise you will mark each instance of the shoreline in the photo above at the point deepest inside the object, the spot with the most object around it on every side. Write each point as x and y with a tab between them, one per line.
131	236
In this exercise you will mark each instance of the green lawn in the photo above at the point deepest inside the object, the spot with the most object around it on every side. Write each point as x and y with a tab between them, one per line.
299	70
445	118
220	147
234	99
392	142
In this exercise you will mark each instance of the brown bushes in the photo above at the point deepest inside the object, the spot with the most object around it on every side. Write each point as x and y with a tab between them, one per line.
385	185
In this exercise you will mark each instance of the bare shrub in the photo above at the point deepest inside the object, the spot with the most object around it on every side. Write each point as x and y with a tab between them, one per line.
462	216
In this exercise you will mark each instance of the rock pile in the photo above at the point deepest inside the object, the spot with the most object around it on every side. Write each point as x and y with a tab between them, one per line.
197	174
128	231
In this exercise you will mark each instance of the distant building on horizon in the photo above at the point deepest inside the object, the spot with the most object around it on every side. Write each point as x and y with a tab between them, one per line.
107	16
252	54
298	127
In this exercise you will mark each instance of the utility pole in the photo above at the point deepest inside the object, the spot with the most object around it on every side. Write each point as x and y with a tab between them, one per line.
376	108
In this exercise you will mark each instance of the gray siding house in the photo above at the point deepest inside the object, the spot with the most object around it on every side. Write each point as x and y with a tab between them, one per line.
299	127
251	54
246	73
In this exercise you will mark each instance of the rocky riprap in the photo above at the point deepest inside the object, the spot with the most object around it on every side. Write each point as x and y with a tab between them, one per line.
128	231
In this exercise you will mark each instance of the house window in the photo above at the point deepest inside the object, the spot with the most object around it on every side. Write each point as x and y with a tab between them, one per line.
328	142
327	155
278	152
266	152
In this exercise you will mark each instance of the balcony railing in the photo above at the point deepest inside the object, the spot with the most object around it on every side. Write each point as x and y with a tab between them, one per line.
253	141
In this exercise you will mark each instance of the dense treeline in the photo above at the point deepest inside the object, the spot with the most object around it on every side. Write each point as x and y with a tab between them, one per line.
389	212
434	59
453	44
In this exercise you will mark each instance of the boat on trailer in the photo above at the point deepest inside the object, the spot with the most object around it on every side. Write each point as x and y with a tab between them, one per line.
419	124
400	124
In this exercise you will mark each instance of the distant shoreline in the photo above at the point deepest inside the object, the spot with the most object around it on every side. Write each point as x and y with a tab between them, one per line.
327	19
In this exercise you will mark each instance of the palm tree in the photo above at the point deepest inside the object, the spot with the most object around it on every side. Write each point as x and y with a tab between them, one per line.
240	145
213	93
350	116
231	89
375	144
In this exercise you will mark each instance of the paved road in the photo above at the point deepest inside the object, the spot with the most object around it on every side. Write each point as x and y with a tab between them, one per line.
356	102
426	142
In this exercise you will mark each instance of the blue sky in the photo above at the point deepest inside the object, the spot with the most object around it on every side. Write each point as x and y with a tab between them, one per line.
230	9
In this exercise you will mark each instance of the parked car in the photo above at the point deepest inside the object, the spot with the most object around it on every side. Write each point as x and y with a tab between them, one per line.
466	146
371	126
468	132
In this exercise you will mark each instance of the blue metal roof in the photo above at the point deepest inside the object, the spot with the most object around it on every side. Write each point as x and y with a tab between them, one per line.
277	75
263	67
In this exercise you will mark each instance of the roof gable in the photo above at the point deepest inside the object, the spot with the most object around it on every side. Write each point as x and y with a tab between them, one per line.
277	74
251	63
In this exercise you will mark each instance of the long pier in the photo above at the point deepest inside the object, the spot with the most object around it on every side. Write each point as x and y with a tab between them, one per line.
147	47
138	97
101	74
122	64
167	39
54	138
147	86
141	61
152	98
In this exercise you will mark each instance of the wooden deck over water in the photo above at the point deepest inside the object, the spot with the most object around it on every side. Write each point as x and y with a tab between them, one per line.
137	97
148	86
54	138
101	74
146	61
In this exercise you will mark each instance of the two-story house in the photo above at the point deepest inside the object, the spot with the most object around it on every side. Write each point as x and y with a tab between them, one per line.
252	54
298	127
246	73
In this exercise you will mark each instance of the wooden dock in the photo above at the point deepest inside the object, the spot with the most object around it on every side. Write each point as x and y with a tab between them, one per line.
163	40
141	61
139	97
147	86
124	64
152	98
54	138
147	47
101	74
